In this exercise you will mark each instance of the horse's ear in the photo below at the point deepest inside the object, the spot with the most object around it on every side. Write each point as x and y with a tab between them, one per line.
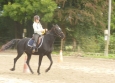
53	25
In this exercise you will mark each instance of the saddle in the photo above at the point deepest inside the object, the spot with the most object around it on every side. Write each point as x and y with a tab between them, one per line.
32	43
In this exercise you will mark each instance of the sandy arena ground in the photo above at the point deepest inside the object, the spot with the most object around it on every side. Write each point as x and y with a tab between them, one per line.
72	70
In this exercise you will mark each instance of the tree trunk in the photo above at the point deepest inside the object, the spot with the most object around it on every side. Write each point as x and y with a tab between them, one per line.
18	30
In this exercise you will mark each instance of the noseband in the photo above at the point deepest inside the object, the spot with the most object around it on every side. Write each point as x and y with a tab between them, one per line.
58	34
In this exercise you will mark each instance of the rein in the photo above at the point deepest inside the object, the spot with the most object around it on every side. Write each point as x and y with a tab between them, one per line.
55	32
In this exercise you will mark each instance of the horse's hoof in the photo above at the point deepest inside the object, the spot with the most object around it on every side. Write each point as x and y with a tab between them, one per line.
12	69
47	70
38	73
32	72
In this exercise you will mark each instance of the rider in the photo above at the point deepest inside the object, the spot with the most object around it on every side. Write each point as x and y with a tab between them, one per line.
38	29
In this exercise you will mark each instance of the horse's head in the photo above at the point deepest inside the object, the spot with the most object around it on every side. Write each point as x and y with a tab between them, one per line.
58	31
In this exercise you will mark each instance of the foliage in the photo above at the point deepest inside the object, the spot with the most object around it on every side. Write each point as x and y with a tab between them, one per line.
113	17
22	10
83	20
112	44
6	27
82	16
6	30
91	44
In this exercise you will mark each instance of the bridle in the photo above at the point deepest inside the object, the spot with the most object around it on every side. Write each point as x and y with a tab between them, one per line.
58	34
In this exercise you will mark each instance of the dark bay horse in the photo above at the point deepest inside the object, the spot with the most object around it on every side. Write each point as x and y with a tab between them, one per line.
45	49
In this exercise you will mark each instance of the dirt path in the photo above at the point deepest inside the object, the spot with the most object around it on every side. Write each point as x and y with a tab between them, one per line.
72	70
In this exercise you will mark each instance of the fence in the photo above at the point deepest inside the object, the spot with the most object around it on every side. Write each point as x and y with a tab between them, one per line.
70	47
88	48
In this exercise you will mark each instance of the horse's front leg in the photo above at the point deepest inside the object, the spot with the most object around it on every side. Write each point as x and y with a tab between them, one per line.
39	64
28	60
51	62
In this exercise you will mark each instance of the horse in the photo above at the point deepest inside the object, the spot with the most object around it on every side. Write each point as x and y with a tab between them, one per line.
45	49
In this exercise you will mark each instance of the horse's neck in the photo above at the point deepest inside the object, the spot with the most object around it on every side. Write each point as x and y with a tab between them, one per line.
50	38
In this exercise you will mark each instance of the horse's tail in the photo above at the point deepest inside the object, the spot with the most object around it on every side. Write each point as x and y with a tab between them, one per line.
9	44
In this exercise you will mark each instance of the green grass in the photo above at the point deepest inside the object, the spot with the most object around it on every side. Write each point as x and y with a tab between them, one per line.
110	56
93	55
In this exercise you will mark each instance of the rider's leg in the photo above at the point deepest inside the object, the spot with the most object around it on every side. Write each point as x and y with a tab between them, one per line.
36	38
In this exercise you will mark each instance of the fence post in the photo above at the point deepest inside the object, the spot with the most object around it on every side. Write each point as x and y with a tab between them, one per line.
24	33
106	43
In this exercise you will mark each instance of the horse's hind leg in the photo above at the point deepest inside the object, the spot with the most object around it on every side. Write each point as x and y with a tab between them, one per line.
28	60
15	60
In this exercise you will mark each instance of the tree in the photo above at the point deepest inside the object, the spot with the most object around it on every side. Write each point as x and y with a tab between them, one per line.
113	17
82	18
6	24
25	9
83	13
22	11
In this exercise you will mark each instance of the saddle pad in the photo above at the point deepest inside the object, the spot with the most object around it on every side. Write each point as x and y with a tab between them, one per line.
31	43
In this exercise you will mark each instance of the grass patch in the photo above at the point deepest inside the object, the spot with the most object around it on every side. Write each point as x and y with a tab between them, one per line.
91	55
110	56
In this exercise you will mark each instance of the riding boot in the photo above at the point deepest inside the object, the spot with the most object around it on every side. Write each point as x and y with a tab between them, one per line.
34	49
36	38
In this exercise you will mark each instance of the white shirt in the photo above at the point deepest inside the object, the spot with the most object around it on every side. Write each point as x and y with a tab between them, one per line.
37	28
